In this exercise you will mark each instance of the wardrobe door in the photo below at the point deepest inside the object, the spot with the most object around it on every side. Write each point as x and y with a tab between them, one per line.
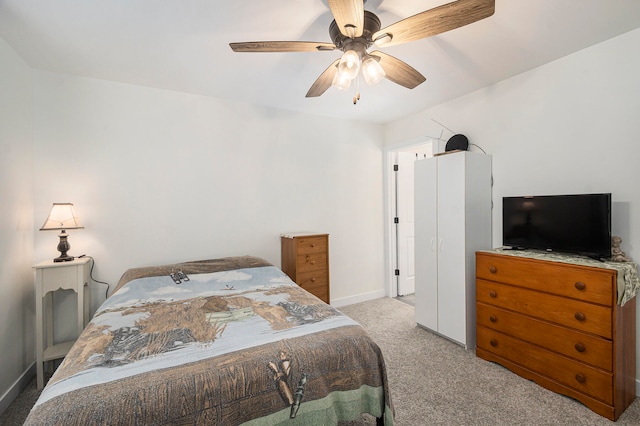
426	243
451	246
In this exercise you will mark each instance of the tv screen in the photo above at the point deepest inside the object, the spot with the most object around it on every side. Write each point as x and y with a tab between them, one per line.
567	223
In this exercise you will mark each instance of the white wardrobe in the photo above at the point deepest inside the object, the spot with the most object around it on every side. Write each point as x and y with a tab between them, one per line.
452	222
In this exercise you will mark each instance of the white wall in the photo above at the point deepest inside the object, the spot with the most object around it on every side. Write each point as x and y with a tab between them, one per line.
16	225
159	176
570	126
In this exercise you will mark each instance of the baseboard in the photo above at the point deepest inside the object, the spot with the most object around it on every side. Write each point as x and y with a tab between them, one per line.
344	301
637	387
17	387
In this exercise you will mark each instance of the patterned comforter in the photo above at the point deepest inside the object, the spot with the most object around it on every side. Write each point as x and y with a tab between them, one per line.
229	341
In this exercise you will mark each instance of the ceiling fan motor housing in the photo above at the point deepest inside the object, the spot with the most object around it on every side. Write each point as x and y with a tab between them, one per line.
371	25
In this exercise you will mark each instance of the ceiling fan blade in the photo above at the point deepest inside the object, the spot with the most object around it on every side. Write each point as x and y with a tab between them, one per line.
281	46
349	15
324	81
434	21
398	71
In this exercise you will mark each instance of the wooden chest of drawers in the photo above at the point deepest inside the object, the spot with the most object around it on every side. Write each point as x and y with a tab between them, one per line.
305	258
559	325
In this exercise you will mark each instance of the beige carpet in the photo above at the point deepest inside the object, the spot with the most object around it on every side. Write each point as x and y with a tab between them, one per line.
436	382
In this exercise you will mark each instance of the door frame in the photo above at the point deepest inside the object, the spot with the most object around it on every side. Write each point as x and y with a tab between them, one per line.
389	194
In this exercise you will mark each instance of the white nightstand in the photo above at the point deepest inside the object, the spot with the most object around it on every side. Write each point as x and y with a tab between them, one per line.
52	276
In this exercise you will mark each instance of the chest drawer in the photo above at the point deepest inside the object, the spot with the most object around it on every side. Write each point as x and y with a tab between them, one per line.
311	262
315	244
587	317
315	282
581	377
594	285
582	347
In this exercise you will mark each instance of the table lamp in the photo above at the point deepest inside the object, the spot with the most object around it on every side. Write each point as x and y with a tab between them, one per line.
62	217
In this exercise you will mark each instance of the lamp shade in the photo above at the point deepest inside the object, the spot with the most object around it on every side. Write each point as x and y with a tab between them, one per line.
372	71
349	65
61	216
341	82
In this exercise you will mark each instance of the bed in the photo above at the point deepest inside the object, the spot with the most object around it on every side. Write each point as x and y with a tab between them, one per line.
227	341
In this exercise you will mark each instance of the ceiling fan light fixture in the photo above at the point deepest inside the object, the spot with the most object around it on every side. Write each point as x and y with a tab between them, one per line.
349	65
372	71
341	82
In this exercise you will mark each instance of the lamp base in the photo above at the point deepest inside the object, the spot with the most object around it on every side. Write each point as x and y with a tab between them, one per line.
63	247
64	258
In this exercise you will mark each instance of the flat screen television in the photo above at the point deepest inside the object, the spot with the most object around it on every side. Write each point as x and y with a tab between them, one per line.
579	223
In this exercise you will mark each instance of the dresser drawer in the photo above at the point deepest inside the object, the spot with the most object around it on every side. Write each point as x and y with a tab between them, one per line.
313	279
314	244
583	378
575	314
311	262
594	285
582	347
315	282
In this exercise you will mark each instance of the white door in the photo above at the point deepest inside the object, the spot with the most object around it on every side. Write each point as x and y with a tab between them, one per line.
426	243
451	250
405	227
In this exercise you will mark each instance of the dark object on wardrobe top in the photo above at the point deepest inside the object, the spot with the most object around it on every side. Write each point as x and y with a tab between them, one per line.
457	142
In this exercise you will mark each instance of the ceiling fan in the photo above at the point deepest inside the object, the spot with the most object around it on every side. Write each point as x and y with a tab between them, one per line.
354	30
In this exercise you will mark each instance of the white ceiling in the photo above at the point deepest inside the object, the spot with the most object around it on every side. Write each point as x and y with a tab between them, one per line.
183	45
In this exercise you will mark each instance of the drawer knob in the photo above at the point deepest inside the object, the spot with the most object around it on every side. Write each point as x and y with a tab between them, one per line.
493	269
313	279
493	294
313	262
313	244
493	342
579	316
493	318
580	378
580	285
580	347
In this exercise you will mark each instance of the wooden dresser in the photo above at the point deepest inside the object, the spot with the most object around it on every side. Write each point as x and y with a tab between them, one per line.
558	324
305	258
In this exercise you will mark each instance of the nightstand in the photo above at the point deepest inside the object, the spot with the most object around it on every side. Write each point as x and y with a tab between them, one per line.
50	277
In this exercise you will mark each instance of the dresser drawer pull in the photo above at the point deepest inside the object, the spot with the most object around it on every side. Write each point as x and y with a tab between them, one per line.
493	342
580	378
493	294
313	279
492	318
580	285
313	262
493	269
312	244
579	316
580	347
